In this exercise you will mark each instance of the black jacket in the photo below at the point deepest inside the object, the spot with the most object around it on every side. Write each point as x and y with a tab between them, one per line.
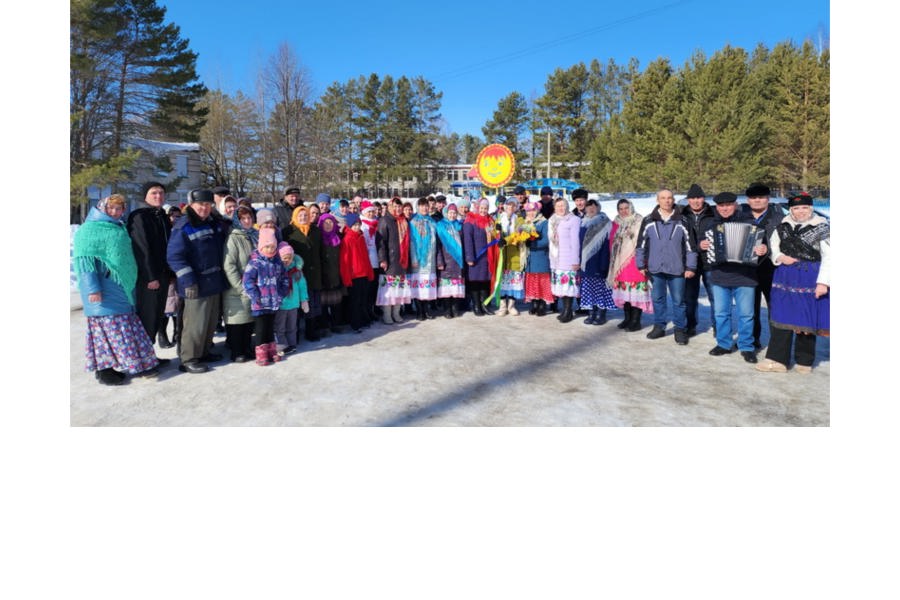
150	229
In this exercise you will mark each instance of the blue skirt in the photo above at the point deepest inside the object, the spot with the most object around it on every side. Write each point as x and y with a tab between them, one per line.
794	303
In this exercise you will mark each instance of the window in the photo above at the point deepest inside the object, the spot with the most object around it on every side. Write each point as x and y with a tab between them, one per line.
181	165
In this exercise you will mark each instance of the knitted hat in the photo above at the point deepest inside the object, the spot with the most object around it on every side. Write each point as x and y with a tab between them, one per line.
579	193
756	190
323	197
264	215
800	199
511	202
724	198
150	185
267	238
452	206
519	190
695	192
350	219
464	202
285	249
546	191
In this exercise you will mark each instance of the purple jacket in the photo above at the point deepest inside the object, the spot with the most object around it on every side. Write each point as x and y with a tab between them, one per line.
566	251
266	283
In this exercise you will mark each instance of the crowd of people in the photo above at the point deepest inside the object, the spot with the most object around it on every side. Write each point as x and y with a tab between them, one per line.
272	276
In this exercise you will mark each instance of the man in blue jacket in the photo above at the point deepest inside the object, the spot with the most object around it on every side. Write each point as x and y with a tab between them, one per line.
665	254
196	254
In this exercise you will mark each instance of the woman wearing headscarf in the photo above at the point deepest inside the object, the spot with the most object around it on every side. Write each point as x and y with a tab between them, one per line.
595	293
630	288
242	239
537	261
306	240
801	287
512	282
333	290
565	257
117	342
392	240
423	254
480	254
451	284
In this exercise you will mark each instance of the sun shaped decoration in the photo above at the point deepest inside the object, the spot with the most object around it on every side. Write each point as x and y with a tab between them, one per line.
495	165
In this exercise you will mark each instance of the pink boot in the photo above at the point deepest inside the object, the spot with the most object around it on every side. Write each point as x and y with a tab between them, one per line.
273	352
262	355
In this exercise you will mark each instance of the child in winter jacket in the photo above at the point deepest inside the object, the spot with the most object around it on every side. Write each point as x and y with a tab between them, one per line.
297	298
356	271
266	284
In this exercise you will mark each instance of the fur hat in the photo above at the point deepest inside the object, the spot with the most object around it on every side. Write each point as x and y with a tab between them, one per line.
800	199
546	191
221	190
580	193
149	186
756	190
724	198
199	195
695	192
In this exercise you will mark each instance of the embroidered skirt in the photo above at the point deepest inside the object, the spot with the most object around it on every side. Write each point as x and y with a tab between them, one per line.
565	283
635	293
451	287
118	342
794	303
594	290
423	285
393	290
537	287
512	283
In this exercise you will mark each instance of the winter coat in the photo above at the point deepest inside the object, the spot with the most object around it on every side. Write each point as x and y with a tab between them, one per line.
236	304
387	240
196	253
596	265
539	250
298	291
727	274
664	247
371	248
770	221
354	258
309	248
265	282
150	229
696	224
474	241
331	267
566	251
283	212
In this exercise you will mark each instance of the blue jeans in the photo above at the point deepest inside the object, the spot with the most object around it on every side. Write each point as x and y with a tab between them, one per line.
743	301
674	284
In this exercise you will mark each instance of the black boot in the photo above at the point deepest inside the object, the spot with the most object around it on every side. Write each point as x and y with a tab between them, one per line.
451	309
482	296
554	307
420	310
533	309
541	308
635	323
591	317
566	315
627	320
431	309
162	336
109	377
600	319
477	308
312	330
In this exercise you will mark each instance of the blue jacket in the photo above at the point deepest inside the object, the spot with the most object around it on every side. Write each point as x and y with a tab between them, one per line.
115	300
665	247
196	253
539	251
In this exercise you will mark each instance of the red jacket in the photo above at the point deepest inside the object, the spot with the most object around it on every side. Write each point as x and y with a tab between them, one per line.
354	258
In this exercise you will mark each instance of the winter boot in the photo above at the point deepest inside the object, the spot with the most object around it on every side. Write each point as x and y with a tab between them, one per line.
262	355
420	310
488	310
657	332
554	307
477	308
590	318
395	313
533	309
600	318
109	377
162	336
503	311
386	315
430	309
274	355
567	314
511	307
627	320
635	323
311	332
541	308
681	336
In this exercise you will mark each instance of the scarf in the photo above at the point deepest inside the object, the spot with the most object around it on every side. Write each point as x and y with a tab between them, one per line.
803	239
330	238
486	223
449	233
304	229
421	228
596	234
403	236
625	243
104	242
372	224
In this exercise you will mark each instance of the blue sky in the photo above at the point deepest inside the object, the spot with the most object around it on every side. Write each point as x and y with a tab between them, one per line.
474	55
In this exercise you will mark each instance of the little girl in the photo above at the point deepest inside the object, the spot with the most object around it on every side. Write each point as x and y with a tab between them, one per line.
297	298
266	284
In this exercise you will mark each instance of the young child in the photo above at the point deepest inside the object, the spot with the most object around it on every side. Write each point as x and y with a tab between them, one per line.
297	298
266	284
356	271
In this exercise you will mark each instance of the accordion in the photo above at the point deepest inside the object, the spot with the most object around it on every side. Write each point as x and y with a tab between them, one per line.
734	243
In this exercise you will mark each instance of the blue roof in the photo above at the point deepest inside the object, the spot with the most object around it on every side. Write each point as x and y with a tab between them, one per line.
553	182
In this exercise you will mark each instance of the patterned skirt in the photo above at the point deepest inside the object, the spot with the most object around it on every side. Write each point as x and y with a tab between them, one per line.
537	287
451	287
118	342
565	283
794	303
512	283
393	290
423	285
635	293
594	290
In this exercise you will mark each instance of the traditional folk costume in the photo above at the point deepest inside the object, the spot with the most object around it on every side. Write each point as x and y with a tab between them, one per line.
565	253
595	293
423	251
512	281
450	261
481	256
630	288
392	240
537	268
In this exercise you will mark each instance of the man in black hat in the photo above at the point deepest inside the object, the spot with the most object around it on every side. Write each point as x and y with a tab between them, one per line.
220	192
284	210
547	201
695	216
521	195
149	227
732	283
766	216
196	253
580	197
